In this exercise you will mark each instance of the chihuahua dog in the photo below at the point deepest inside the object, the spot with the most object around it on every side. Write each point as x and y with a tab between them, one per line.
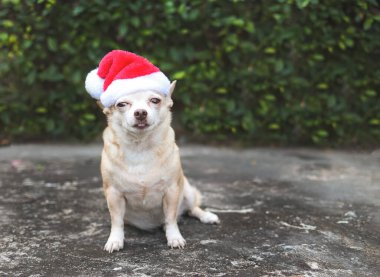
142	175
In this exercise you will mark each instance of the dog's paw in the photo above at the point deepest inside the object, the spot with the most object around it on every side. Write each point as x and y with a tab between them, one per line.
115	242
177	242
113	246
174	237
209	218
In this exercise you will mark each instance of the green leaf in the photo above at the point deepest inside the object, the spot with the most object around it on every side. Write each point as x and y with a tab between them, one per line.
179	75
322	86
270	50
248	122
146	32
368	23
89	116
7	23
41	110
52	44
279	65
78	10
322	133
370	93
274	126
123	30
250	27
270	97
318	57
221	90
135	21
302	3
374	121
342	45
3	37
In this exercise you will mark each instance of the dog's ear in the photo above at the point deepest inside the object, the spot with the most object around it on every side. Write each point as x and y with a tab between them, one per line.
172	87
170	103
100	105
107	111
171	90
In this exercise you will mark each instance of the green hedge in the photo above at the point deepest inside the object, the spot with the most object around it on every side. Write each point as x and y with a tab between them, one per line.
285	71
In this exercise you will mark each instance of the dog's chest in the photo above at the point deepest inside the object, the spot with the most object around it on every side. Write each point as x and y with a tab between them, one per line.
144	182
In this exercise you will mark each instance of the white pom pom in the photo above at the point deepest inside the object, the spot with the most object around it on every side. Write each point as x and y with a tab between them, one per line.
94	84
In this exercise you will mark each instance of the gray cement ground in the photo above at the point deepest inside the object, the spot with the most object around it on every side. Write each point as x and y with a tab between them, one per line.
284	212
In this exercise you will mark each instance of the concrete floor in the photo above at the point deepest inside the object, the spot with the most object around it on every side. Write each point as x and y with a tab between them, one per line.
284	212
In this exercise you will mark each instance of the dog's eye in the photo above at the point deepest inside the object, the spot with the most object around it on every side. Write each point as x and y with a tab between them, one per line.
155	100
121	104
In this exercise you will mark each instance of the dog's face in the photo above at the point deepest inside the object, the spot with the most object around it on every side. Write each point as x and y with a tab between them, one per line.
140	111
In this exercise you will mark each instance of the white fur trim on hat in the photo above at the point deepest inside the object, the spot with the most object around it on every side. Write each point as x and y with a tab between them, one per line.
94	84
156	81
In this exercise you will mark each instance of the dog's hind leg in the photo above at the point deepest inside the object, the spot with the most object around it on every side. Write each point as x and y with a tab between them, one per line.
192	202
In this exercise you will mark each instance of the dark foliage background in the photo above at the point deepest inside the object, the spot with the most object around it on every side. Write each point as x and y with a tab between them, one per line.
272	72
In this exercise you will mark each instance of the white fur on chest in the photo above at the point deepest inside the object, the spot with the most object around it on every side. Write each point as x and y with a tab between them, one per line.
144	181
144	189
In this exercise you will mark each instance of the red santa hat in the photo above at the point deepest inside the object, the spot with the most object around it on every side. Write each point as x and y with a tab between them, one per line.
121	73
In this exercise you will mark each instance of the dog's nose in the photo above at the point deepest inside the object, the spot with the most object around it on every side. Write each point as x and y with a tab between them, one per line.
140	114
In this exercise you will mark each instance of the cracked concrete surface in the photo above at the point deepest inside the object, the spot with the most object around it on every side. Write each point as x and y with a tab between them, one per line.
284	212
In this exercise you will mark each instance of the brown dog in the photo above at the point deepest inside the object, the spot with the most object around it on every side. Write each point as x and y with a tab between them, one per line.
142	174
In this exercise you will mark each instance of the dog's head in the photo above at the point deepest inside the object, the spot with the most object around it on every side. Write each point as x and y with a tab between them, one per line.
141	111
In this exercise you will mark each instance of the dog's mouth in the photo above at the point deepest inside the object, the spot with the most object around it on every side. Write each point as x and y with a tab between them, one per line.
141	125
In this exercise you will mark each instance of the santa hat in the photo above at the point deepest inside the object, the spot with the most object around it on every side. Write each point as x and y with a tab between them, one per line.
121	73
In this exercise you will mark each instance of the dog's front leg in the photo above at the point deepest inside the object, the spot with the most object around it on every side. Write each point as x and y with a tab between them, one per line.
171	201
116	207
